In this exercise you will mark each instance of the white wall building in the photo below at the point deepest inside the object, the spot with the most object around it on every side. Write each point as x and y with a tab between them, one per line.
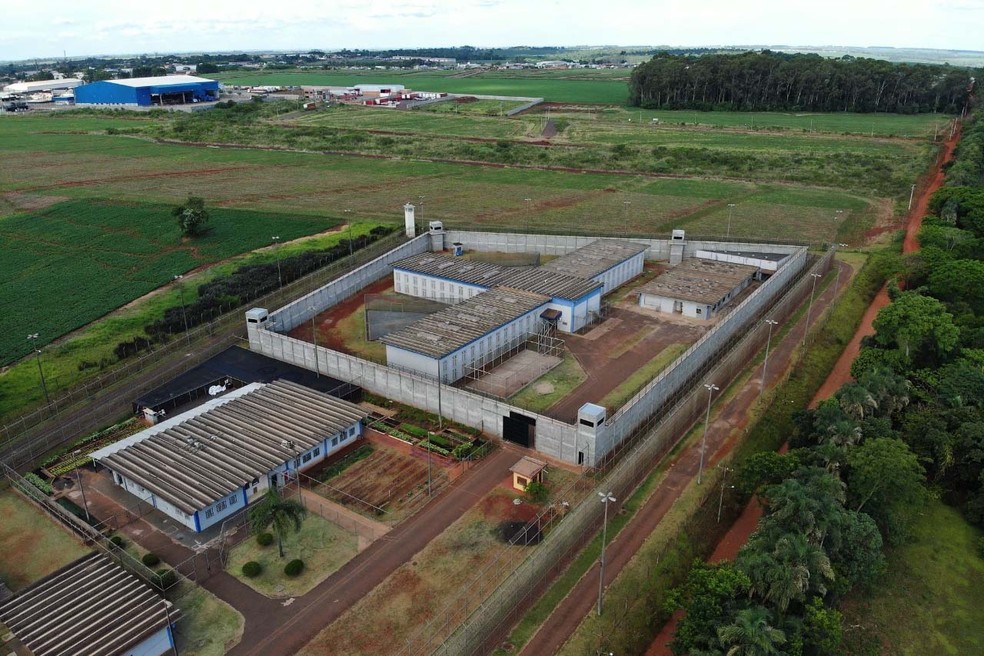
469	334
206	464
91	607
612	262
696	288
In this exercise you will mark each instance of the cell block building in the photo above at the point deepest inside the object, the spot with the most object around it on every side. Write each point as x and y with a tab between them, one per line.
469	334
697	288
206	464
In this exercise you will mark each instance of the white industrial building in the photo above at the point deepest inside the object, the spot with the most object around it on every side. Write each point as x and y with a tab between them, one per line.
577	301
766	263
470	334
43	85
210	462
91	607
697	288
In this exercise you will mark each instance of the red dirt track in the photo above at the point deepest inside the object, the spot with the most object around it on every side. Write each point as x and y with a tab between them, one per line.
747	522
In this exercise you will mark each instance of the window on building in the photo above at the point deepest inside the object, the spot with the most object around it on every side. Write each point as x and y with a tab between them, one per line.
317	451
234	499
306	457
208	513
220	506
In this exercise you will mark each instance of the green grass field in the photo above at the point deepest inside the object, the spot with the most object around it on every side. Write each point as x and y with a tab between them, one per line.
32	544
73	262
554	88
931	599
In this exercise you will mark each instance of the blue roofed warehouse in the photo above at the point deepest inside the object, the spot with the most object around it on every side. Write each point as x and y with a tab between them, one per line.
148	91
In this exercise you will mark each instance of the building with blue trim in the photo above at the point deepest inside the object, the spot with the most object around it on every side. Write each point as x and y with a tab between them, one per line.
148	91
207	464
91	607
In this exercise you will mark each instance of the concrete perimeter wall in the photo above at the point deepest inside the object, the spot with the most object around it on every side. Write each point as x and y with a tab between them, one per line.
554	438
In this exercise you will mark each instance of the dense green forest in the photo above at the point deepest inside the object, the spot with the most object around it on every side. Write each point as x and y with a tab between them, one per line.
861	464
769	81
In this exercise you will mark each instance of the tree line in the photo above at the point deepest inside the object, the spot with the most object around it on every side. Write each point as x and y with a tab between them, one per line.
770	81
861	464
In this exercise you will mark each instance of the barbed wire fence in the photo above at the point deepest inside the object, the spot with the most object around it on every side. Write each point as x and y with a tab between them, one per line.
491	601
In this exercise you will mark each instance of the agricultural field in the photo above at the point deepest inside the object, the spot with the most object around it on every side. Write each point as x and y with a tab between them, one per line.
73	262
570	88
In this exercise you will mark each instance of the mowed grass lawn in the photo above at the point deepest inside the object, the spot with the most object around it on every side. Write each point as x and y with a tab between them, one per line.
931	599
71	263
32	544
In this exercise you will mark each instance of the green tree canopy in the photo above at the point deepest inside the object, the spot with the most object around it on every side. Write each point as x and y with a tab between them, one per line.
919	327
283	515
885	478
192	216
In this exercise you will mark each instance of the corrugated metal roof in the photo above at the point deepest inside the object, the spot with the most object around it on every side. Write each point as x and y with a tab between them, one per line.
703	281
444	332
159	81
538	280
595	258
202	458
92	607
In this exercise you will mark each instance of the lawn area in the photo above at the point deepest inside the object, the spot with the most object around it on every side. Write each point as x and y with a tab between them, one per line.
412	595
552	386
208	626
322	545
32	544
631	385
931	599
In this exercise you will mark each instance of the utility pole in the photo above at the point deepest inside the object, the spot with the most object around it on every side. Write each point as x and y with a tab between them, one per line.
184	312
314	334
731	209
44	386
809	309
606	498
768	343
912	192
711	388
276	249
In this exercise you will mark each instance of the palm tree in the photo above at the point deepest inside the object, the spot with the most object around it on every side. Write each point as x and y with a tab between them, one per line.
284	515
751	634
856	401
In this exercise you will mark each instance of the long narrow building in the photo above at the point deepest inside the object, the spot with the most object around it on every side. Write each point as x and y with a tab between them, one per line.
208	463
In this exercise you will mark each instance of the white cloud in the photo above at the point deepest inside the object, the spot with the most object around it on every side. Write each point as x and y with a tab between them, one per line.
42	28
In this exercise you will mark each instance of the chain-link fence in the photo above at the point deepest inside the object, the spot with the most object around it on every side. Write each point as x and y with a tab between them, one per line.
75	412
485	606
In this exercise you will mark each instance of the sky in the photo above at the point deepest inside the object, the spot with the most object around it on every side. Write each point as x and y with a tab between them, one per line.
47	28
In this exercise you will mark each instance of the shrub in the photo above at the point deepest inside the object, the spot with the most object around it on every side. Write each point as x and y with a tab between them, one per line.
294	567
150	559
38	482
537	492
253	568
264	539
117	541
165	578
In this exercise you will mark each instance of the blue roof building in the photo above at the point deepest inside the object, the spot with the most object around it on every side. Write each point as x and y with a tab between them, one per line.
148	91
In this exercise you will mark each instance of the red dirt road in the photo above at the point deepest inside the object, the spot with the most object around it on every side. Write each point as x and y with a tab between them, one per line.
725	430
747	522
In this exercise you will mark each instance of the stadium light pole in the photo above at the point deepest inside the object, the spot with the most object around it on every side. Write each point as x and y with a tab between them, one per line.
912	192
181	296
606	498
711	388
276	249
731	209
44	386
724	480
768	343
314	335
348	214
809	308
430	434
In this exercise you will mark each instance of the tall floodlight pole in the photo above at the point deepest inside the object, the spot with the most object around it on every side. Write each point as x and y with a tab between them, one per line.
429	443
44	386
912	192
731	210
711	388
184	312
348	229
768	343
724	479
606	498
276	249
809	308
314	334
